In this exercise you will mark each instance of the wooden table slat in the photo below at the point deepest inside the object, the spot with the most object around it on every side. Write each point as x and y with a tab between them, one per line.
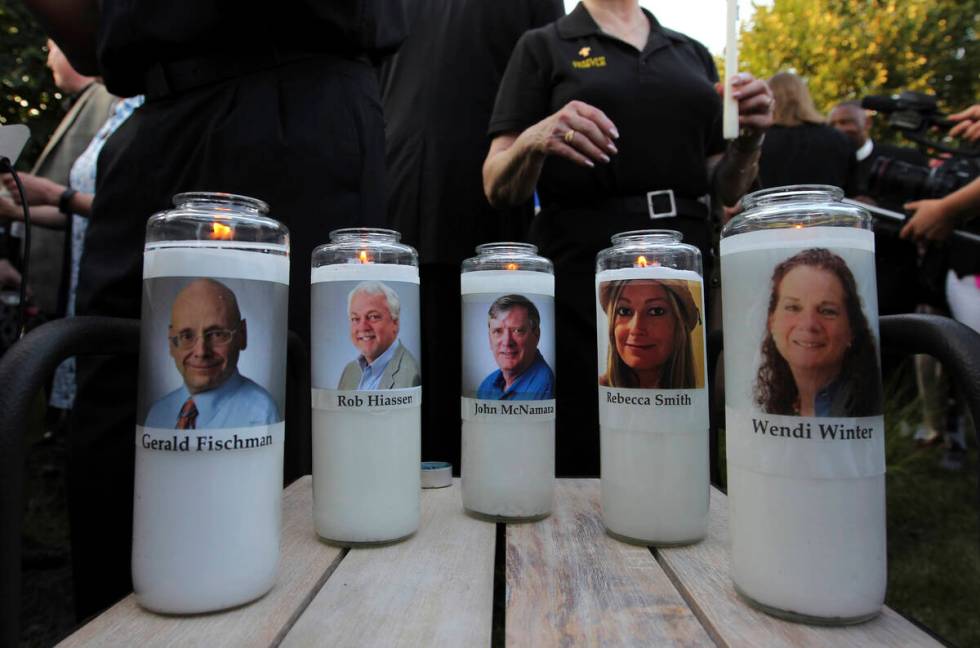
434	589
303	567
568	583
701	572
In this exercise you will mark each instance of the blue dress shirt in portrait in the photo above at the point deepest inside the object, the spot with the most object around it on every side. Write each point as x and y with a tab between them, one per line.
536	383
371	372
237	402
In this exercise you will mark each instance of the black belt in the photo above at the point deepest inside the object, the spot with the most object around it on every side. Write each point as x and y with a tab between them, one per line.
176	77
657	204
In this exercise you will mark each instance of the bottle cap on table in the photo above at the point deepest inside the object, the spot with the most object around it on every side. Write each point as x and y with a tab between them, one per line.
437	474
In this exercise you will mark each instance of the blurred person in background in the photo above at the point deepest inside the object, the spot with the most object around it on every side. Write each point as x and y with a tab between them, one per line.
801	148
281	105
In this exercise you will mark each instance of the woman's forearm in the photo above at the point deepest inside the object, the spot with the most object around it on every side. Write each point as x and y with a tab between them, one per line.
81	204
736	171
45	216
511	170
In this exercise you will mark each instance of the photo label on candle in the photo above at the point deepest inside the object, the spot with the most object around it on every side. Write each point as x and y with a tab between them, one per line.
651	349
508	356
366	343
207	362
814	406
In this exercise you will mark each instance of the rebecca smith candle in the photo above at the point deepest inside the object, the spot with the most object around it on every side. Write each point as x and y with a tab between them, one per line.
653	400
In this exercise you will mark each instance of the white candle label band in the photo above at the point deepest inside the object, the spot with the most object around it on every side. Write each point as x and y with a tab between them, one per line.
501	411
806	447
335	400
207	440
802	369
211	259
649	272
670	411
356	271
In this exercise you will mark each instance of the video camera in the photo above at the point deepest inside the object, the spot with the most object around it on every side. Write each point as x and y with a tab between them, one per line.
914	114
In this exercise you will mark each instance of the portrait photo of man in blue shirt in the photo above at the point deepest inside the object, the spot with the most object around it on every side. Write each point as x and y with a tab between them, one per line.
514	327
384	362
206	335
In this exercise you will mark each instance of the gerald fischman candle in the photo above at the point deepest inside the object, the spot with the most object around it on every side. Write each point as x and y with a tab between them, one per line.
209	444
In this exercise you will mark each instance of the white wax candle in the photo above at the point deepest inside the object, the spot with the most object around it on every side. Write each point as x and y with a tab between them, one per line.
654	458
508	467
366	460
206	526
810	546
730	105
366	474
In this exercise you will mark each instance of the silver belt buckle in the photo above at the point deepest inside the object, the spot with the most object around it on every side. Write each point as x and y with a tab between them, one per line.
662	214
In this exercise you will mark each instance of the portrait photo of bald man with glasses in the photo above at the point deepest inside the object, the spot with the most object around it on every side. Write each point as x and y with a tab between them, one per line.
206	334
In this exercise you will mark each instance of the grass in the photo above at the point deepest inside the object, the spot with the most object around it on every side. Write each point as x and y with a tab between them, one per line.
933	527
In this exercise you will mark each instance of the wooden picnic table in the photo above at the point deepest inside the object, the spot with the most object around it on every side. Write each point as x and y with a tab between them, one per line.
567	584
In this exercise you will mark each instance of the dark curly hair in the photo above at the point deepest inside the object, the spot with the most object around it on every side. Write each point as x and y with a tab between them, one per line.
775	388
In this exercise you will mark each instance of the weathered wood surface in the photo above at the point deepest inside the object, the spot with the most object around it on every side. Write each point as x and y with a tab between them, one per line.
569	584
305	564
701	573
434	589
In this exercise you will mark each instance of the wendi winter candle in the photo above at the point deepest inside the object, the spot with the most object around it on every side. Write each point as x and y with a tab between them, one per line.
803	405
367	392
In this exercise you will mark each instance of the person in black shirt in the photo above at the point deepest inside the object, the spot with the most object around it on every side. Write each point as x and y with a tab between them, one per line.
851	120
800	148
438	92
617	123
279	103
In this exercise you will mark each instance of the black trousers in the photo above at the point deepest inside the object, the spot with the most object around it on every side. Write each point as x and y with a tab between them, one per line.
307	138
572	238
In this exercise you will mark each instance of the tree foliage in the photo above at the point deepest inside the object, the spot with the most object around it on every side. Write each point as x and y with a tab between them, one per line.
27	93
847	49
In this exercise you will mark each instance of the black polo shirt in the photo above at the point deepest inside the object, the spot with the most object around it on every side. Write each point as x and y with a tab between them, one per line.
662	100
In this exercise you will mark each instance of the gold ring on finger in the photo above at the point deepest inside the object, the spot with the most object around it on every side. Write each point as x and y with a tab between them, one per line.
569	136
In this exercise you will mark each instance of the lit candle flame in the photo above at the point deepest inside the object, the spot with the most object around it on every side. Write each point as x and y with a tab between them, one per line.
362	256
641	262
798	226
221	232
512	266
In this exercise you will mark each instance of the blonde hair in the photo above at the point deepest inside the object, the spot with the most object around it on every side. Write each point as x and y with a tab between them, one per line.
794	105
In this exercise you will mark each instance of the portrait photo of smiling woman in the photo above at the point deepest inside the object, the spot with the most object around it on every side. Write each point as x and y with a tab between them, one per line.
819	357
650	329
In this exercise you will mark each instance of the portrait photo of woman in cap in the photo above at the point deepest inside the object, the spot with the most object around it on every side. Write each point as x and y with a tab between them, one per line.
650	325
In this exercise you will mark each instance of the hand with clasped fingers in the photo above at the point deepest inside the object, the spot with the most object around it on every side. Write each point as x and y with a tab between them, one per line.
577	132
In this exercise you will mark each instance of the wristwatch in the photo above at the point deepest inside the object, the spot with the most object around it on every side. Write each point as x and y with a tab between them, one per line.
64	202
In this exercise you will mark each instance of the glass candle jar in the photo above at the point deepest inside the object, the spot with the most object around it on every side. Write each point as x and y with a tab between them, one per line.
209	443
367	394
803	406
508	382
653	399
